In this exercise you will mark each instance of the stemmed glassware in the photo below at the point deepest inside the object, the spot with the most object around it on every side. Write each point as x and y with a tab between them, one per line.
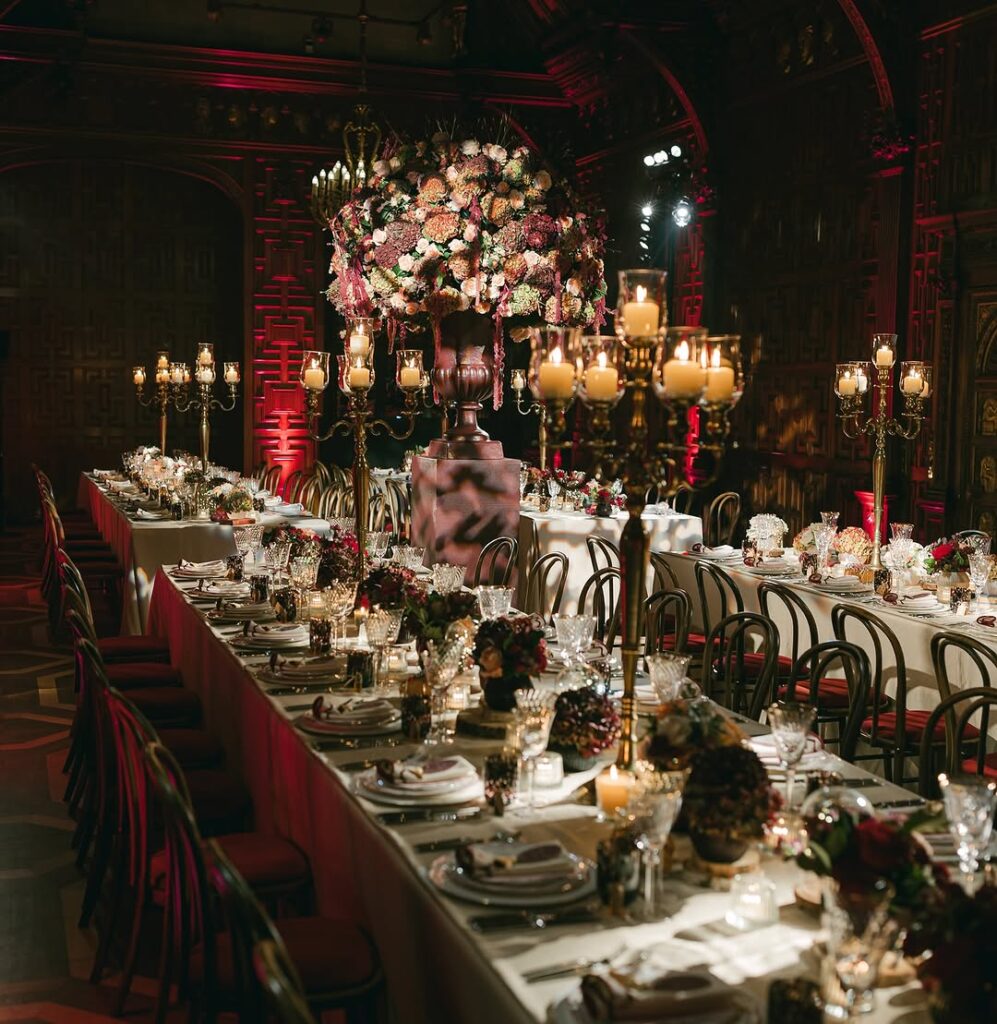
970	802
901	546
554	490
790	723
668	672
344	524
340	598
655	805
409	557
574	636
447	578
823	538
524	479
383	625
441	662
304	572
377	543
494	601
979	575
247	539
276	556
533	717
978	542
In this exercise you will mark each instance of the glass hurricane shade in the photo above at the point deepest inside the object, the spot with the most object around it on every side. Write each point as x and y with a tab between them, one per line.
641	309
314	373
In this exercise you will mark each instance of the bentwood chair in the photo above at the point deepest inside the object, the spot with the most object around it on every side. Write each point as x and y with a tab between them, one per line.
496	562
722	516
602	553
664	574
599	597
682	500
396	494
850	692
965	751
666	621
787	607
321	473
739	662
292	486
545	584
277	977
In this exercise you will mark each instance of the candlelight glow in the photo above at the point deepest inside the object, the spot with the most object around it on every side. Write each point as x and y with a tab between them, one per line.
682	351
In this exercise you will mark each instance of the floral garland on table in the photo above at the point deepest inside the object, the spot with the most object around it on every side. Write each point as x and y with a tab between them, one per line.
853	540
766	525
508	651
390	586
947	556
428	617
585	722
805	541
445	225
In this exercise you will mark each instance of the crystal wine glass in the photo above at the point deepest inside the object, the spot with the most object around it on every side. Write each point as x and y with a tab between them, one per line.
979	575
494	601
383	625
823	538
447	578
276	556
574	636
554	490
790	723
970	802
655	806
533	717
341	596
377	543
524	479
978	542
667	671
344	524
830	519
441	663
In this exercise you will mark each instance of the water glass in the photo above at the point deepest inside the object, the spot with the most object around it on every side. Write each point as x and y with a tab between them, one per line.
409	557
978	542
275	557
655	806
979	574
533	717
440	664
791	723
574	635
377	543
447	578
494	601
304	572
340	599
383	625
344	524
970	803
667	671
830	519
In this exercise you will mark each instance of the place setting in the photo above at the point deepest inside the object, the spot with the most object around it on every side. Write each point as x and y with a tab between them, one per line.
263	637
186	570
426	782
350	716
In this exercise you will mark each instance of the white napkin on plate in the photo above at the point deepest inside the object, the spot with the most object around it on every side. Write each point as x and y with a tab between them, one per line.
921	599
425	776
279	630
246	610
520	861
273	500
200	568
721	551
294	508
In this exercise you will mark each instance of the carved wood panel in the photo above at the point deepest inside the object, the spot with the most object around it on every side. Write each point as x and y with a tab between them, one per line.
104	263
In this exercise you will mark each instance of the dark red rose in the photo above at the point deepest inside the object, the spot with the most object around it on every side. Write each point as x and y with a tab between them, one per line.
942	551
882	846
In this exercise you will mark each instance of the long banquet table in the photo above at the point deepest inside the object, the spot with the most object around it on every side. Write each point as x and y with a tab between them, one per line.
143	546
437	967
567	532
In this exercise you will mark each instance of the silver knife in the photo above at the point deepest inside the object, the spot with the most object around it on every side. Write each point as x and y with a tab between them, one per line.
420	814
912	803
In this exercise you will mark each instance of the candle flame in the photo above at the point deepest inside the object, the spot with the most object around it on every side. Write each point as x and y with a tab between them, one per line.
555	356
640	293
601	360
682	351
715	359
702	359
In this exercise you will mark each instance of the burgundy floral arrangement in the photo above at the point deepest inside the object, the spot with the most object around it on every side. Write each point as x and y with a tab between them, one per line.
585	722
599	498
684	727
947	556
390	586
446	225
508	651
338	553
569	479
428	617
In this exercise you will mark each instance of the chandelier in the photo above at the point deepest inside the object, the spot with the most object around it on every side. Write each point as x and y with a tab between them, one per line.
361	140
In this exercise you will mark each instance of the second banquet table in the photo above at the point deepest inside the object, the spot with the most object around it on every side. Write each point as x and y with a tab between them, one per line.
543	532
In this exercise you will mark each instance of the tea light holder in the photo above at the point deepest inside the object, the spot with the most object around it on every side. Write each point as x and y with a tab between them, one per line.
960	600
613	790
549	770
753	902
319	634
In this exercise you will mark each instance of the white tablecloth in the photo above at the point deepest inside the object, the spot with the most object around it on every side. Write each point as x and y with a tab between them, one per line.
142	547
543	532
437	968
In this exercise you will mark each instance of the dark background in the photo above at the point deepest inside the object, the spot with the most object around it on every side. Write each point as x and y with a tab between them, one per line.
155	167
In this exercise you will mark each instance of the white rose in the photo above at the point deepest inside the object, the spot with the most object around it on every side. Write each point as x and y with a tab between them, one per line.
422	245
574	286
405	262
451	173
395	163
397	302
532	258
381	167
457	245
542	180
432	251
470	287
470	232
498	154
470	147
516	199
419	214
379	236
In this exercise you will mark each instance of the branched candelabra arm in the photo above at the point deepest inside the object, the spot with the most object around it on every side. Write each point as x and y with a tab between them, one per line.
380	427
220	404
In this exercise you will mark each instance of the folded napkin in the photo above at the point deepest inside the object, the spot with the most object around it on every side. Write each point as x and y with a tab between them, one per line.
920	599
764	746
246	609
141	513
279	631
354	711
183	567
225	588
294	508
308	668
721	551
514	860
647	992
425	775
273	500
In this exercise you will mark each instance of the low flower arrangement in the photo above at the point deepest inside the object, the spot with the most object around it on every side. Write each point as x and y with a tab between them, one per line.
684	727
947	556
853	541
428	617
569	479
338	553
585	724
804	541
602	500
231	501
859	851
766	526
508	651
955	940
390	586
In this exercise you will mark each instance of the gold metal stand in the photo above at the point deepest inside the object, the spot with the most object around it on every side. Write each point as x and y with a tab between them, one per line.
160	398
205	402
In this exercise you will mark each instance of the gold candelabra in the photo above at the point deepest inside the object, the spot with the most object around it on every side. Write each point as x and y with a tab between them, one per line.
851	385
161	397
550	416
682	368
356	379
204	378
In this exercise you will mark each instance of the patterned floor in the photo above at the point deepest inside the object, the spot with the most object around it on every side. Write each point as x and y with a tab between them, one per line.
45	959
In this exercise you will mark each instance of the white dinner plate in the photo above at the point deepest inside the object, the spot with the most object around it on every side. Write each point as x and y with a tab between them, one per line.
464	791
449	879
306	723
926	611
252	643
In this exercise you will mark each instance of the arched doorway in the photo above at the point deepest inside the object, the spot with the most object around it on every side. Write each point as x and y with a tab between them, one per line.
104	262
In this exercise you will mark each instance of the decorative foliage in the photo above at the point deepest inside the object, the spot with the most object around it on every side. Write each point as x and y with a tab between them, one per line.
728	795
947	556
511	645
338	553
391	586
682	728
594	494
804	540
585	721
428	617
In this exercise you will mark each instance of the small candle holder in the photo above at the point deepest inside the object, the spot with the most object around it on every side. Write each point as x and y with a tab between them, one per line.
285	604
881	581
884	352
234	567
500	775
409	372
641	312
960	600
753	902
720	357
314	373
416	708
618	868
678	375
360	665
259	588
319	634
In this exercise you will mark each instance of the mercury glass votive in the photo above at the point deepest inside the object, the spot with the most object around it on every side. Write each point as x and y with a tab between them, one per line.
319	634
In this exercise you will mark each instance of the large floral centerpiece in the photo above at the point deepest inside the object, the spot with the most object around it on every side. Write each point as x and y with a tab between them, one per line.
231	502
684	727
508	651
586	724
445	225
805	541
389	587
852	544
767	531
428	617
601	500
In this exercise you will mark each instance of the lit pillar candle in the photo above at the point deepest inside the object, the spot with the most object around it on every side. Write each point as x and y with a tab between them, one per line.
601	381
884	357
359	343
863	382
314	378
409	377
139	375
184	374
518	380
556	378
177	374
913	383
231	373
640	317
847	385
163	362
205	357
613	789
162	375
359	377
205	375
681	377
719	380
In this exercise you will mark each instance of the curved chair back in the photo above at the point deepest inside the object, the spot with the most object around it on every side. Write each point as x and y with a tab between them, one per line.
396	494
600	597
271	479
376	510
545	584
496	562
666	621
729	647
982	658
308	493
602	553
782	604
815	663
872	634
722	517
321	473
276	975
664	574
960	758
712	582
682	500
292	485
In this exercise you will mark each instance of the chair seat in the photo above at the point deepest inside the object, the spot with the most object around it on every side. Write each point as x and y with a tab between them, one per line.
115	649
832	694
193	748
329	955
132	674
989	766
693	642
167	706
265	862
915	723
754	662
221	802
